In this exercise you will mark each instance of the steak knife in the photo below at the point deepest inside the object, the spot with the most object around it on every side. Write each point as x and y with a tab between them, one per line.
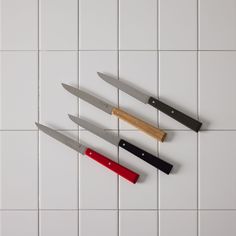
115	167
161	106
142	125
145	156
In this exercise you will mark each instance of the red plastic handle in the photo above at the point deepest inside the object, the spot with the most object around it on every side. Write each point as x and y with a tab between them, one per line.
114	166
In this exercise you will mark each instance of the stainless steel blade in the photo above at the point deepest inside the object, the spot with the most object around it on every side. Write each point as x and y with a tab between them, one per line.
96	130
89	98
62	138
125	87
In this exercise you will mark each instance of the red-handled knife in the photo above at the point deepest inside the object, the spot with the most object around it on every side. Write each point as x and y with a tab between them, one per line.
114	166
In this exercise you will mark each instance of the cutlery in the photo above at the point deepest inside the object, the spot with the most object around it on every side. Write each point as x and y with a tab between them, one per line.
145	156
161	106
142	125
115	167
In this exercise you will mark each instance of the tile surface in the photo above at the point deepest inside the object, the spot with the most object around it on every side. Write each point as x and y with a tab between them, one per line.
138	223
217	223
216	87
19	183
217	24
182	154
217	175
58	25
98	223
138	25
59	223
55	102
58	174
178	25
178	223
24	222
181	52
19	24
19	95
98	25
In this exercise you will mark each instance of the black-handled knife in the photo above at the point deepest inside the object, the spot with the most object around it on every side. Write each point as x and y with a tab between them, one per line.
146	156
144	98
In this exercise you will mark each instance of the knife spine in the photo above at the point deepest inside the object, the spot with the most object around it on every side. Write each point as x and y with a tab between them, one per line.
140	124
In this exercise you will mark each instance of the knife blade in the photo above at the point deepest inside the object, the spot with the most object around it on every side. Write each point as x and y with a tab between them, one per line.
138	123
144	155
159	105
115	167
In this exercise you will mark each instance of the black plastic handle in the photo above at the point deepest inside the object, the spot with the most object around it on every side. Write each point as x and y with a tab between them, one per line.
149	158
175	114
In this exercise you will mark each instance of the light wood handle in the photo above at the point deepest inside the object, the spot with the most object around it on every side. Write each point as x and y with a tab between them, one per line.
147	128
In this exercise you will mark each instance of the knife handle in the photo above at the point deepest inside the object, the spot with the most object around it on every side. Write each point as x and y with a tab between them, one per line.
175	114
142	125
145	156
114	166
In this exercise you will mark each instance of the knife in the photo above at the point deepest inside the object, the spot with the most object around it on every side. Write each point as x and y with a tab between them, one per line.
145	156
142	125
115	167
161	106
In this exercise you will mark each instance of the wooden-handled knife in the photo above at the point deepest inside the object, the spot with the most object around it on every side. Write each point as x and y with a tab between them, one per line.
161	106
115	167
145	156
138	123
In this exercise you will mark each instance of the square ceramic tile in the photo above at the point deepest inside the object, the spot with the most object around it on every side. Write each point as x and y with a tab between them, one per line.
181	151
91	63
217	100
19	96
97	184
98	223
143	194
58	67
178	83
182	223
138	223
217	24
58	223
19	25
178	25
216	170
98	24
138	24
59	24
58	174
19	223
217	223
138	69
18	163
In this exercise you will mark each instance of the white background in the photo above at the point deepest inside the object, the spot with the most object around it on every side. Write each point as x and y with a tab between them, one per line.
181	51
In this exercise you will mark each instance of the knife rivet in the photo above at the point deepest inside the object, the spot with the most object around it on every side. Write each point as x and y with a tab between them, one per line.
90	153
153	101
142	154
109	163
123	144
172	112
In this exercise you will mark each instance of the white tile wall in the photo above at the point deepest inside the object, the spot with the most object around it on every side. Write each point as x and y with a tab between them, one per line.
181	51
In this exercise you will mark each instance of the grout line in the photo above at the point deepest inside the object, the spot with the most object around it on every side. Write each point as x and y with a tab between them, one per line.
38	151
115	209
197	118
157	112
118	122
78	107
115	50
132	130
